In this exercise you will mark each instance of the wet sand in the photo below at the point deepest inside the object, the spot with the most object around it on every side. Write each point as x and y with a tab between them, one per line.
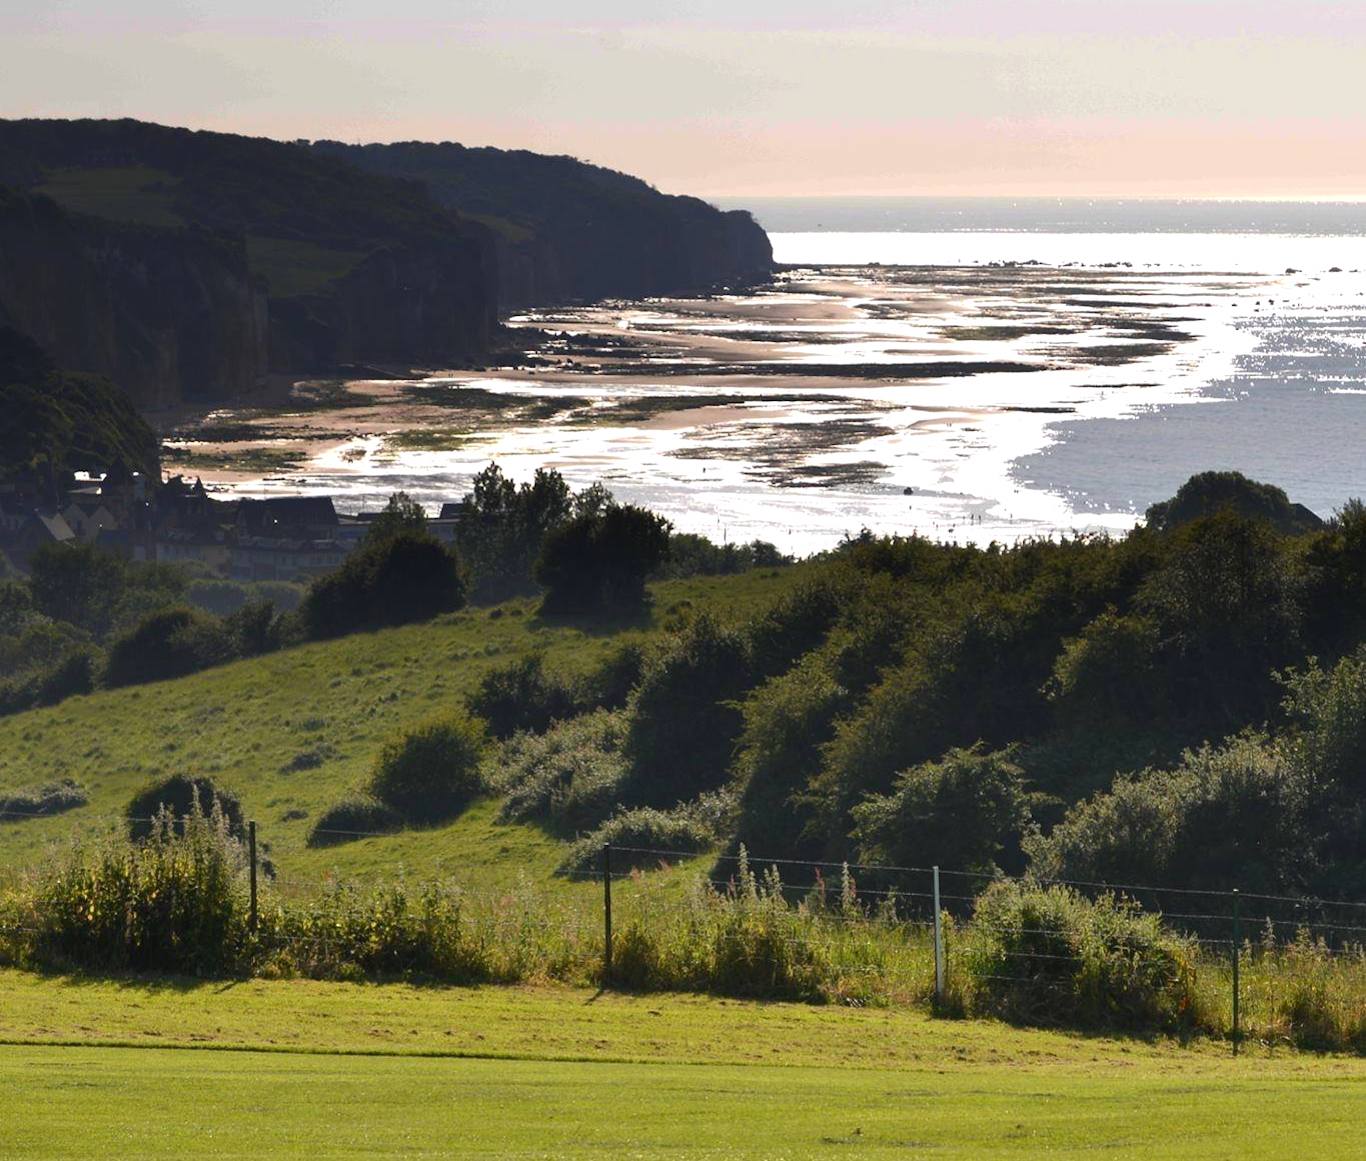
799	412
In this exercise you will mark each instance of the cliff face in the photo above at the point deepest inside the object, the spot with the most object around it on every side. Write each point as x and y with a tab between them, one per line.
167	315
570	231
190	263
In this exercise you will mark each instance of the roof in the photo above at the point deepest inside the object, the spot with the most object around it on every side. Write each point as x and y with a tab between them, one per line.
287	510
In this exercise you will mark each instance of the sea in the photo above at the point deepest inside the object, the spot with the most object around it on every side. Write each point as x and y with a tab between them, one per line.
1032	368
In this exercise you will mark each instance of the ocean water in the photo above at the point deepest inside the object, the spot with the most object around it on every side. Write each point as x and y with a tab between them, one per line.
972	370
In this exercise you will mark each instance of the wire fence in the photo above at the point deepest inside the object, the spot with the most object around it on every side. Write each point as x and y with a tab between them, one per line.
879	932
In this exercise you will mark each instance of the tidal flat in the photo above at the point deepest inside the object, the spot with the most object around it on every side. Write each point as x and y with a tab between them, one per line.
954	402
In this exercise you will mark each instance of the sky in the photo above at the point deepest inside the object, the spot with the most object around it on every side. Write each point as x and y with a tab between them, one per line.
735	98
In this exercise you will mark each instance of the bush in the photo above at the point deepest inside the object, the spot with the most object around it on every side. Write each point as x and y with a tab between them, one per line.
431	772
168	644
54	798
1051	957
568	776
353	818
610	685
686	720
521	696
688	829
181	797
174	903
599	560
399	579
958	813
1232	816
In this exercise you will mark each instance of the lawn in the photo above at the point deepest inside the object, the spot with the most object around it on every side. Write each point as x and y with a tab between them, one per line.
353	1070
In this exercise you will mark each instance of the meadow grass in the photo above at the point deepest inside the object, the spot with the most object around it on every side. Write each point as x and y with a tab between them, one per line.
338	1070
126	193
247	724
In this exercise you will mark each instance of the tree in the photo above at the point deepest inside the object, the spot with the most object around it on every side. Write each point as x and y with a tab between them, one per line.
404	578
77	583
961	812
599	561
501	526
167	644
401	515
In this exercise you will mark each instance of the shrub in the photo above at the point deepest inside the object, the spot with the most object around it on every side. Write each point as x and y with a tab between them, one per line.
167	644
520	696
568	776
610	685
180	797
174	903
688	829
353	818
598	560
686	720
959	813
431	772
1052	957
54	798
1232	816
399	579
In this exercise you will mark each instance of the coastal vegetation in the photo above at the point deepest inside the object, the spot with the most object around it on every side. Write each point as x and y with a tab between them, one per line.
776	758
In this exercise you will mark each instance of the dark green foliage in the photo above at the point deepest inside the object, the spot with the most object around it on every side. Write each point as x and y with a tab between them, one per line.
646	837
403	578
786	722
609	686
1225	606
1230	816
77	583
58	423
795	625
686	718
1052	957
502	526
402	515
959	813
353	818
1210	492
54	798
175	902
569	777
168	644
693	555
74	673
181	798
521	696
225	597
431	772
254	629
598	561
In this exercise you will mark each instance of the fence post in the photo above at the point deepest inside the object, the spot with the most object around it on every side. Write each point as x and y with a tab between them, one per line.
251	856
606	913
1237	942
938	944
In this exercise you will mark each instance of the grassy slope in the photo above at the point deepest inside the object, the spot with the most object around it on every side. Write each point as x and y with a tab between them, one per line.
557	1072
244	724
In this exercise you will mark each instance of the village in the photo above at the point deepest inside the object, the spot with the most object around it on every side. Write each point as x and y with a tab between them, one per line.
177	521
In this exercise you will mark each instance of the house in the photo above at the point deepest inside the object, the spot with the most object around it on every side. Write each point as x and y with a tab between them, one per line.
36	530
281	558
88	515
288	517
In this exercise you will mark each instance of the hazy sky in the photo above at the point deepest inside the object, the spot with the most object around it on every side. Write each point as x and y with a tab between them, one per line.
749	97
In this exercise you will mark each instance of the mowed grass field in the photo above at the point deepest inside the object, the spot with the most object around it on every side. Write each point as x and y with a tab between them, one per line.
293	732
301	1069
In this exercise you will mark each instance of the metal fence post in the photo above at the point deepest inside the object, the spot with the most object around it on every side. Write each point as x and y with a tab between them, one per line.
251	856
938	944
606	913
1237	941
